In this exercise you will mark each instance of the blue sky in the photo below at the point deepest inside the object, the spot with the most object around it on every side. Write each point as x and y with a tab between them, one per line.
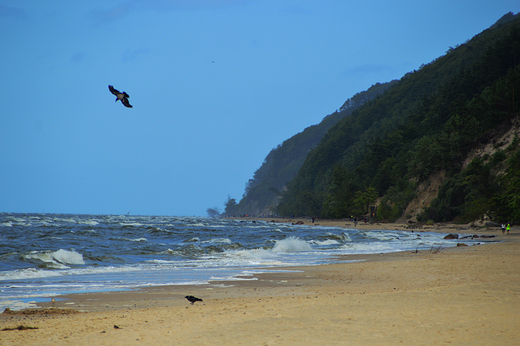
215	86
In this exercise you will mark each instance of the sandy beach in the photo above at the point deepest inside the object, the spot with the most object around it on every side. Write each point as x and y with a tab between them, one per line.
467	295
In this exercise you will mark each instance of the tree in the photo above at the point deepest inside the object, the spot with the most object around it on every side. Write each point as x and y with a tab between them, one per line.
364	199
231	206
213	212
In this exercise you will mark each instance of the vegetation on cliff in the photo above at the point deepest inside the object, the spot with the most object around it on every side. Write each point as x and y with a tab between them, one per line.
377	150
428	122
283	162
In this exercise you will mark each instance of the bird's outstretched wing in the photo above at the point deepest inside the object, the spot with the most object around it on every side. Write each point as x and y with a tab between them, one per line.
124	100
113	91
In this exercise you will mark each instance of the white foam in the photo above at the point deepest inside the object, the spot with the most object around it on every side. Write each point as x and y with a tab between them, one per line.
68	257
137	239
89	222
16	305
325	242
363	248
218	240
257	254
133	224
45	257
57	259
29	273
291	244
231	278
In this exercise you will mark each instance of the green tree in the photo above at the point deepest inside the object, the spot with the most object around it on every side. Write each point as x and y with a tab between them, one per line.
231	206
363	200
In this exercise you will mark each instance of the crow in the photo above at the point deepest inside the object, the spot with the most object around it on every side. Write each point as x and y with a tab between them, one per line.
193	299
120	96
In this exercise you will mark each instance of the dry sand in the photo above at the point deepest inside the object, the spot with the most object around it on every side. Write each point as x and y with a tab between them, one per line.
460	296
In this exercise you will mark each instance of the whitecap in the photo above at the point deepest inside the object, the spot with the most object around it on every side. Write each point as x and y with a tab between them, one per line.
89	222
57	259
137	239
291	244
218	240
325	242
69	257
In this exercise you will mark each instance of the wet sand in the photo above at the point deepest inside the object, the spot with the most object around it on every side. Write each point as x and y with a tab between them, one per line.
463	296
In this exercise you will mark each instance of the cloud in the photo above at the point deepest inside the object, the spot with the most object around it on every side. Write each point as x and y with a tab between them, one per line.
112	14
77	57
13	12
129	54
103	16
369	69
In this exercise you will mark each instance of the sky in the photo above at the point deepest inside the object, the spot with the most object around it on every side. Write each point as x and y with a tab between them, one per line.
215	86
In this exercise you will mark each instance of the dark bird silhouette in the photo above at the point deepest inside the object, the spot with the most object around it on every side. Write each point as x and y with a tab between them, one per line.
120	96
193	299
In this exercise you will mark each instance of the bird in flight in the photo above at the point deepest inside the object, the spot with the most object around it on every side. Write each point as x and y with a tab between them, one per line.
120	96
193	299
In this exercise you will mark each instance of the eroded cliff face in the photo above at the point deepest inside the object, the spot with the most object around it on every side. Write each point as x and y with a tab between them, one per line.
427	190
501	140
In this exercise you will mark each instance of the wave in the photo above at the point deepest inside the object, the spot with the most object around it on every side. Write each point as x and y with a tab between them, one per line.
291	244
55	260
218	240
37	273
136	240
266	256
130	225
325	242
89	222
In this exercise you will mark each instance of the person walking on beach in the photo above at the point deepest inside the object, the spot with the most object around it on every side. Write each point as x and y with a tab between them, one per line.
503	228
508	227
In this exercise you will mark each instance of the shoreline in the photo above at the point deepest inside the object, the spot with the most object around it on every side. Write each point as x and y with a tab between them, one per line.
444	227
467	295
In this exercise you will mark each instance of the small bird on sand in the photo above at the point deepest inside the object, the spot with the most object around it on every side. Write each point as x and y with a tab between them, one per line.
193	299
120	96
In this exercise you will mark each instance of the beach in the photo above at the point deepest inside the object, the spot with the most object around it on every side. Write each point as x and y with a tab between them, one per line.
467	295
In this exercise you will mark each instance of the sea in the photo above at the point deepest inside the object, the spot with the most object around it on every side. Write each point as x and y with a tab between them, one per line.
44	256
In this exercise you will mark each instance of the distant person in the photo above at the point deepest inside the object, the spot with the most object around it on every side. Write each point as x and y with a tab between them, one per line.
508	227
313	218
355	222
503	228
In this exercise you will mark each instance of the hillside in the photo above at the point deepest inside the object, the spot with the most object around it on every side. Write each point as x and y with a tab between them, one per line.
283	162
422	135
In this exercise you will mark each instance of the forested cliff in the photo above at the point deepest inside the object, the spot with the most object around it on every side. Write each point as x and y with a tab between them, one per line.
262	193
454	121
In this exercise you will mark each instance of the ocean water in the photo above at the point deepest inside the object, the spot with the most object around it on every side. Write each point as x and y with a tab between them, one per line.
48	255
